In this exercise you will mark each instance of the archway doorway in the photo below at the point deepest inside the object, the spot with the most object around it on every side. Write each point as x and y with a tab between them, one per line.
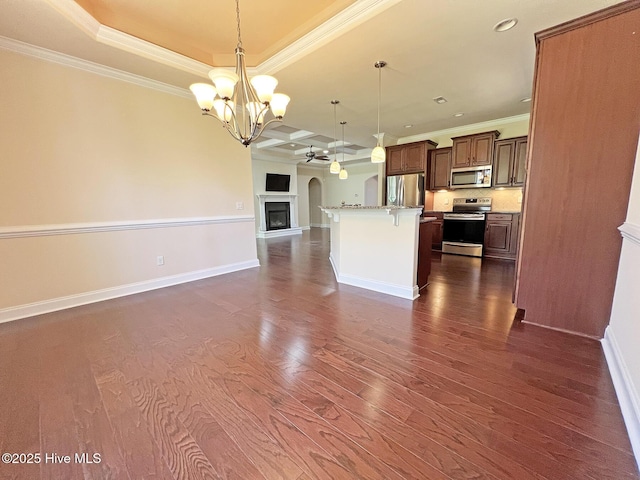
315	200
371	191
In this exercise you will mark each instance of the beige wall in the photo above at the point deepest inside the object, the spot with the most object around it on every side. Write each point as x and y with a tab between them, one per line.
79	148
351	190
506	200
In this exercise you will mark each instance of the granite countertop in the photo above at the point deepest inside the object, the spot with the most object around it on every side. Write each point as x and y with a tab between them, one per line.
374	207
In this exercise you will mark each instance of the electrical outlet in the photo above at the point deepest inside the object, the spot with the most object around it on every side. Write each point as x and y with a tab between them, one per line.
446	201
239	205
160	260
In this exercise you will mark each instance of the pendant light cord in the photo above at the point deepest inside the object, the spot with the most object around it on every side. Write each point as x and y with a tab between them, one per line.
335	133
238	20
379	97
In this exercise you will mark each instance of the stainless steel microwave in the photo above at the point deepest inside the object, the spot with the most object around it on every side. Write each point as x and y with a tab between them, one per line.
471	177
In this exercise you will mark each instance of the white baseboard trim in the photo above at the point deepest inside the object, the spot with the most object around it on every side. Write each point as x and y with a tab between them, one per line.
61	303
627	395
280	233
381	287
321	225
305	228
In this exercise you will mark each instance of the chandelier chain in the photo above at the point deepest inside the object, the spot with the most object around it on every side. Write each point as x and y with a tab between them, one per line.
238	21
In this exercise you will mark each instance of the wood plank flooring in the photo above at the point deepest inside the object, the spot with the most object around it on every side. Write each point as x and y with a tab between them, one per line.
279	372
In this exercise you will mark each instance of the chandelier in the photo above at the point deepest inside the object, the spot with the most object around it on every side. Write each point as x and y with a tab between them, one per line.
240	103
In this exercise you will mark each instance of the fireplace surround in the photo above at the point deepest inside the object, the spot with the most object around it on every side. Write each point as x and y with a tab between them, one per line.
276	219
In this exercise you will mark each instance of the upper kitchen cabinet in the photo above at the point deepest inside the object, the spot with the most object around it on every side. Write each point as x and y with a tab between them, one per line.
581	156
473	150
408	158
440	168
509	162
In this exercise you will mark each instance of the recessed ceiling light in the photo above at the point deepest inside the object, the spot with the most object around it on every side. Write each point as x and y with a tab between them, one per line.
325	151
459	114
506	24
292	144
440	100
526	99
408	125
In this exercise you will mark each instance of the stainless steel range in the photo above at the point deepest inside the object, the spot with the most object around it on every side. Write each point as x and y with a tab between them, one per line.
463	231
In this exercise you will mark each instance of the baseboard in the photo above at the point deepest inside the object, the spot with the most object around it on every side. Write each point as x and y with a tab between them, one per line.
321	225
382	287
286	232
627	395
61	303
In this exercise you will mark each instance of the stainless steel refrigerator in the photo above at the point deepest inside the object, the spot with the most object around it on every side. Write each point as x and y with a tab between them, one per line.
405	190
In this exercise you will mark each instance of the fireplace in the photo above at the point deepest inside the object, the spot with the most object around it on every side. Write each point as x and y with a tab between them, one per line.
277	215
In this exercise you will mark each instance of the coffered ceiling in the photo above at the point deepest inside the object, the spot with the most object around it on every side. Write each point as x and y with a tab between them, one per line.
319	50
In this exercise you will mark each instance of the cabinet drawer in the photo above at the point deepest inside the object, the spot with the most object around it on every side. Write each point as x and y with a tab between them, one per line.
500	216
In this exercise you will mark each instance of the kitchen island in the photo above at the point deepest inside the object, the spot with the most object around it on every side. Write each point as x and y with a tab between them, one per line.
377	248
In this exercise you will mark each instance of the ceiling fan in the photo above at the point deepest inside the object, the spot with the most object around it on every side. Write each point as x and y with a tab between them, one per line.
311	155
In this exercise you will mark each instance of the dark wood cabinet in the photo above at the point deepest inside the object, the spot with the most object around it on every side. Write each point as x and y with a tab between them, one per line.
440	168
509	162
473	150
501	235
436	231
424	253
408	158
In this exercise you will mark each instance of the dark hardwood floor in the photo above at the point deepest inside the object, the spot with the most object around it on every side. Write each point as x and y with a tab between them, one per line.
278	372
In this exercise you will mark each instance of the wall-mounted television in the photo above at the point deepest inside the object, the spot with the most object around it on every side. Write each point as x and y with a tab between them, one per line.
277	183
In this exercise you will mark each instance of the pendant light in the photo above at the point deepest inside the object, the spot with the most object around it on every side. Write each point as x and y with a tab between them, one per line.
378	155
343	175
242	104
335	165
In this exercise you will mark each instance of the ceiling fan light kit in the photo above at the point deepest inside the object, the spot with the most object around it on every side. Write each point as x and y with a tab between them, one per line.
239	103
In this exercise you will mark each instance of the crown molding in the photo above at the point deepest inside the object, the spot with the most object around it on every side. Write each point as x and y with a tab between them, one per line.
76	14
128	43
631	232
347	19
465	128
350	17
91	67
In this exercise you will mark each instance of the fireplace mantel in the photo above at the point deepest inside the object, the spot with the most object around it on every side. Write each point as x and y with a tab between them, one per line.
278	197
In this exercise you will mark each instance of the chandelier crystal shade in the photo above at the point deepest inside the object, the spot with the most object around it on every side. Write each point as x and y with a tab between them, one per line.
240	103
378	155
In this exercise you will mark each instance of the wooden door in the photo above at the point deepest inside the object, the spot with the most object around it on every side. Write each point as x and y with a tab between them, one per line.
440	169
482	149
570	246
461	153
520	162
503	163
415	158
394	160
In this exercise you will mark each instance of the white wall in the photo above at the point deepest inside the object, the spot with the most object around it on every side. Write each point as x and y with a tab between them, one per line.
99	177
622	337
351	190
260	170
305	174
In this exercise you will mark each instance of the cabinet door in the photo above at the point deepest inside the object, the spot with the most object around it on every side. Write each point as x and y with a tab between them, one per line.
520	162
497	238
461	153
440	169
394	160
415	158
436	238
503	163
482	149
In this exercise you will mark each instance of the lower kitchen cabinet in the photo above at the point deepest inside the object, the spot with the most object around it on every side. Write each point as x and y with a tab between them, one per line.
437	225
501	235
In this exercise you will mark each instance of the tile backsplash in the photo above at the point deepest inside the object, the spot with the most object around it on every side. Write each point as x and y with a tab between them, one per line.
507	200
